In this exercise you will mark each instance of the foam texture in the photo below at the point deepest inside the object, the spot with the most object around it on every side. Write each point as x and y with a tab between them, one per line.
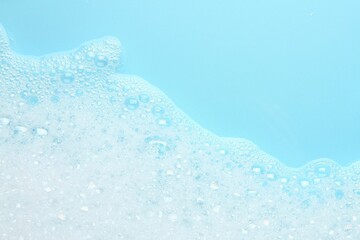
87	153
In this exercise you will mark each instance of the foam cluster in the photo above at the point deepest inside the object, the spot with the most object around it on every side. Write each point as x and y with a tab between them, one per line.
87	153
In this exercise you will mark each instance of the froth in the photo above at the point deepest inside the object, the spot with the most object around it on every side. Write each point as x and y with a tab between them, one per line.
87	153
4	42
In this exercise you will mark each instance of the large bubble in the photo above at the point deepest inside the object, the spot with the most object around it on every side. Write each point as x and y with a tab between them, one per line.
87	153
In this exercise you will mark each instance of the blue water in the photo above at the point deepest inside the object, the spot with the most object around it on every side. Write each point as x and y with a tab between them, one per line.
128	140
283	74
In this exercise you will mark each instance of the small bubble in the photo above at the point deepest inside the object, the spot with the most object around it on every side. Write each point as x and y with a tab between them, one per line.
40	131
338	182
217	209
91	185
271	176
80	68
214	185
126	88
4	121
200	201
55	99
32	100
20	129
160	145
101	61
339	194
304	183
229	165
131	103
323	170
284	180
357	192
90	55
110	81
170	172
61	216
79	93
266	222
223	152
112	99
24	94
173	217
157	110
168	199
251	192
144	98
166	122
258	169
317	180
67	77
84	209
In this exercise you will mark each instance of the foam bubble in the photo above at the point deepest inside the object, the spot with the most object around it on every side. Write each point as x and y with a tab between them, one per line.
87	153
131	103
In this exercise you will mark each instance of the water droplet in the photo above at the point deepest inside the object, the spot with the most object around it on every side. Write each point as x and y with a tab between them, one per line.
144	98
157	110
67	77
101	60
4	121
131	103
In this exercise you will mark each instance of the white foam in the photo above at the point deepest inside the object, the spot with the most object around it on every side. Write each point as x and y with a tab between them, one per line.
86	153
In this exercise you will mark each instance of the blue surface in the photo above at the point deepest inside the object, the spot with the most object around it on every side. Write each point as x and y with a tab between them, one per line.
284	74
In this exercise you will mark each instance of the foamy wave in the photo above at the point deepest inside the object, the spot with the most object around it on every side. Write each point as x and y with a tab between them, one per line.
86	153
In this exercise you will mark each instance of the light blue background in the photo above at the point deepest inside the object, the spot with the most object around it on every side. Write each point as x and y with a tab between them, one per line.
282	73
